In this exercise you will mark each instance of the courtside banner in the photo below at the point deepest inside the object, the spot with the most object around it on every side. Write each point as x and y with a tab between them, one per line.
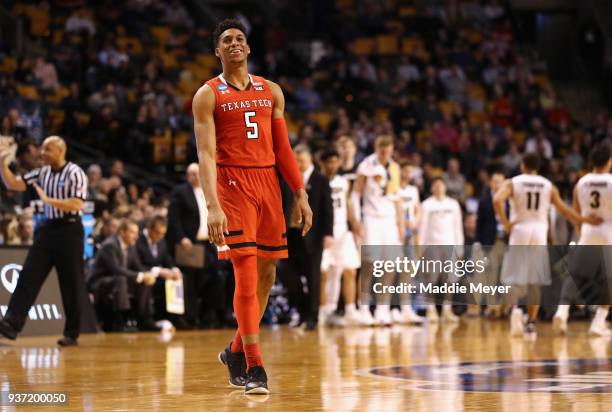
486	274
46	316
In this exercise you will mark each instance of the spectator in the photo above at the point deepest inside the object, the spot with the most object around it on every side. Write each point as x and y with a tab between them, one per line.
305	253
26	231
46	74
539	144
153	253
206	290
117	271
308	100
455	83
455	181
79	21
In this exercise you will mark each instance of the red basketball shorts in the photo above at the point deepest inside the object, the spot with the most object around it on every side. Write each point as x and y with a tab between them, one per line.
251	200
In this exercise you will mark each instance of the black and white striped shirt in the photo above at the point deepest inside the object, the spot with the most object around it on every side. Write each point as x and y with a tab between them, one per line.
68	182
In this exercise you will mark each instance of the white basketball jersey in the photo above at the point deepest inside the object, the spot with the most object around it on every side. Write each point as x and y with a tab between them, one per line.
441	222
594	191
410	198
376	202
530	201
339	192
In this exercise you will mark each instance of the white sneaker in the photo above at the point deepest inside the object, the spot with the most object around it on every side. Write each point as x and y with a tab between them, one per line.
382	316
351	318
432	314
409	316
600	329
334	321
365	317
560	324
396	316
517	327
449	316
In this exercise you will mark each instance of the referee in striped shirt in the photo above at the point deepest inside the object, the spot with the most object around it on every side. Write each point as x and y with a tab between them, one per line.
62	187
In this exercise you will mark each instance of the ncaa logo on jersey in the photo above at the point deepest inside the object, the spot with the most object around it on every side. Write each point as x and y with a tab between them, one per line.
223	88
258	87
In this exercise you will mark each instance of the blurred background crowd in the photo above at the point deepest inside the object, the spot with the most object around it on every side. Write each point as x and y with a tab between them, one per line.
460	85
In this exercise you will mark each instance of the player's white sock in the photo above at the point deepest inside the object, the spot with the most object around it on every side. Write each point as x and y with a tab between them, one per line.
333	285
330	308
563	311
598	325
350	309
447	307
407	309
600	315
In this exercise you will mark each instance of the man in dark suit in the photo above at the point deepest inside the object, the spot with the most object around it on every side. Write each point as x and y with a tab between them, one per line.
153	253
487	226
206	289
118	272
305	253
490	234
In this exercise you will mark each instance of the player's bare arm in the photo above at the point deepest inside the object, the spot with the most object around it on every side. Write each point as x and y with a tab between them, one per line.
352	218
11	181
356	194
576	205
413	222
73	204
204	128
570	213
399	216
499	204
282	149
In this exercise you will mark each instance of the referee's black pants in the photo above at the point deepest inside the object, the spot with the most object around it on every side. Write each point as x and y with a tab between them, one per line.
59	244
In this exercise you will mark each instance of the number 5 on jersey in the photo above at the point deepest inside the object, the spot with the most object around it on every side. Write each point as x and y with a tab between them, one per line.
251	125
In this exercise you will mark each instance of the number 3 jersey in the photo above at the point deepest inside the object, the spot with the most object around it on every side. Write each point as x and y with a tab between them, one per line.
243	123
594	192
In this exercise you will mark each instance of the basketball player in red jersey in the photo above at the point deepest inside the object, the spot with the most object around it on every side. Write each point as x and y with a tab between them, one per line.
241	135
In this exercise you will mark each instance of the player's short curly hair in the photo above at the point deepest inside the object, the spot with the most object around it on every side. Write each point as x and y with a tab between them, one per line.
600	155
226	25
531	161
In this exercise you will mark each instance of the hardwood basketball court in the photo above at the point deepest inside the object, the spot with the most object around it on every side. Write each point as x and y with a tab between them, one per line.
475	366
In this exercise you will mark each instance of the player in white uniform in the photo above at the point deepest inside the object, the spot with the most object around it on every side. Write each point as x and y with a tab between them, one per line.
441	227
531	196
411	205
593	195
341	260
377	185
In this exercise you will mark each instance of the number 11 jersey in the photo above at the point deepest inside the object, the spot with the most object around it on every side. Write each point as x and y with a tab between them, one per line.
243	123
530	200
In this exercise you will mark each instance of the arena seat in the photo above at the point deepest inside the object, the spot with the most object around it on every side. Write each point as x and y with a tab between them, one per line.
387	44
8	65
28	92
161	34
322	118
131	44
56	118
363	46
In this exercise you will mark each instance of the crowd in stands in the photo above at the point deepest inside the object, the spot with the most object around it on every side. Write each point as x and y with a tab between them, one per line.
446	79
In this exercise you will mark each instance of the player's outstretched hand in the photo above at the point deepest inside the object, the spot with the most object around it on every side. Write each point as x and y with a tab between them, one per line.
217	225
593	220
303	210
